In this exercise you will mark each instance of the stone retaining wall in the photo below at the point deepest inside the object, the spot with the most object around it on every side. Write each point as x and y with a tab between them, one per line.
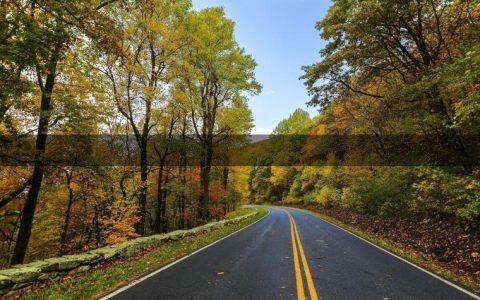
24	275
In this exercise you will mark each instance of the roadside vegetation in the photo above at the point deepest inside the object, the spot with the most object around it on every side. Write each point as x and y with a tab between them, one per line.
120	119
107	277
109	114
392	72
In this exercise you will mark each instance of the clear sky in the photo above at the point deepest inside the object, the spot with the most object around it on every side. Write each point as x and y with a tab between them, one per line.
281	36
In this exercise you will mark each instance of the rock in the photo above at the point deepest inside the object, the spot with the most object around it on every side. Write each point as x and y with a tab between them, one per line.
203	229
43	265
189	233
160	238
69	262
4	281
110	252
207	227
48	276
131	247
21	285
80	269
21	274
175	235
5	290
196	231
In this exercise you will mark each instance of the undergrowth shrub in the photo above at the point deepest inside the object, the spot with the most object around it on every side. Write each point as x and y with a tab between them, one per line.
443	191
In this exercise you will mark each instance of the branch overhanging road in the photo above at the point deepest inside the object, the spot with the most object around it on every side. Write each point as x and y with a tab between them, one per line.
290	254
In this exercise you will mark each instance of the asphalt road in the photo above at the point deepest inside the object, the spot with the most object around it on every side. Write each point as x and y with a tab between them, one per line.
290	254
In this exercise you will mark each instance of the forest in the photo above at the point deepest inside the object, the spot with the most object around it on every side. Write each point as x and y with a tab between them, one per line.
394	75
109	115
125	118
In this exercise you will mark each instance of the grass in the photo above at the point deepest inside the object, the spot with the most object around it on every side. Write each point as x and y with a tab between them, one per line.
104	279
238	212
412	256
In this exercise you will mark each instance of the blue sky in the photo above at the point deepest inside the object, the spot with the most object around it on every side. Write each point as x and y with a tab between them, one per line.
281	36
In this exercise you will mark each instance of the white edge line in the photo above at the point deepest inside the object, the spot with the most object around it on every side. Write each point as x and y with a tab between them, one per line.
399	257
137	281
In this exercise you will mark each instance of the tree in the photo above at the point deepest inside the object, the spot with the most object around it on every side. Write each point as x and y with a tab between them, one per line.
38	38
49	36
216	72
137	67
385	42
386	53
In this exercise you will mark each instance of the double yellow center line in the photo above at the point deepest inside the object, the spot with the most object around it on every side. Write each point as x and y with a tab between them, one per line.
298	251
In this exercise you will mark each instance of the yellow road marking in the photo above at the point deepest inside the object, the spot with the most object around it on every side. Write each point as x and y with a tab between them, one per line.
308	275
297	244
298	272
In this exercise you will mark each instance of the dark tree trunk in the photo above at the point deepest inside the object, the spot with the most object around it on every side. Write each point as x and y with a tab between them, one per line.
163	215
66	222
142	196
206	166
203	214
182	168
31	202
225	177
160	220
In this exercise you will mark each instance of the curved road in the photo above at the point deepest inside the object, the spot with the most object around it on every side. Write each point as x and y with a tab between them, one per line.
290	254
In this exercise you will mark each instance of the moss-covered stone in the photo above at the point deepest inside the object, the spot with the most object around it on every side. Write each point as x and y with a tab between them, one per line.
196	231
21	285
175	235
5	290
43	265
107	252
69	262
189	233
48	276
21	275
132	247
4	281
159	239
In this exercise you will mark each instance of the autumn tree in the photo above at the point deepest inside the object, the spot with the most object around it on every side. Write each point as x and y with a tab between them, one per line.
41	43
388	53
216	72
137	68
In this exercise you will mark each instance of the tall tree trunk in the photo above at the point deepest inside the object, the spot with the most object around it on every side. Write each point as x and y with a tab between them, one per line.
142	197
31	202
225	177
66	222
163	214
160	220
161	197
203	200
225	173
182	168
206	166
